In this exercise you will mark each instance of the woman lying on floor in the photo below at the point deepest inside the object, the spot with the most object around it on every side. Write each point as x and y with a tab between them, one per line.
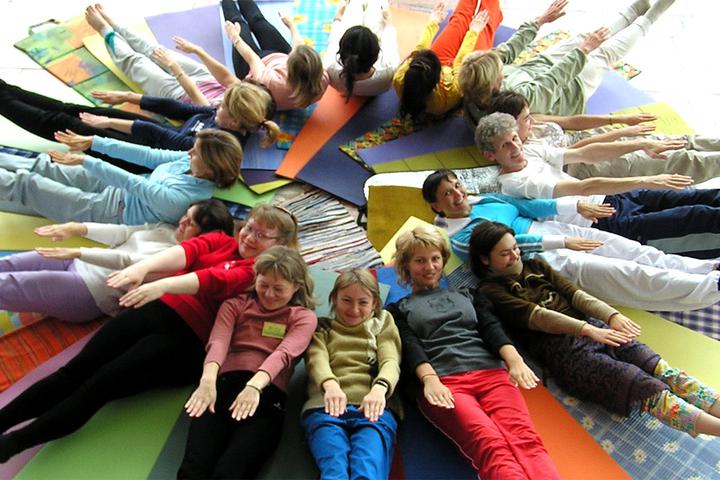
70	283
586	344
157	343
78	187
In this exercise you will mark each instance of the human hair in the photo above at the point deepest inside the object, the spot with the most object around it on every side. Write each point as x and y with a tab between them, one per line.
305	73
358	51
433	181
422	236
490	127
212	215
508	102
483	239
287	263
222	153
252	106
357	276
421	78
280	218
478	76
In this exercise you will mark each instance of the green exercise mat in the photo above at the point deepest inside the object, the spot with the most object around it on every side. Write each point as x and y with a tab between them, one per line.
122	441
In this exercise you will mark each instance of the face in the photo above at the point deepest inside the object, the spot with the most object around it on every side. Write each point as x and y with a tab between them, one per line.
508	152
504	254
353	304
223	118
255	237
273	290
451	199
426	268
198	168
187	227
524	123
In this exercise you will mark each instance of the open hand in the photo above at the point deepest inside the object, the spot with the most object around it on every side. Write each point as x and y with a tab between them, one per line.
66	158
439	12
203	398
61	231
245	404
595	211
73	140
621	323
185	45
594	39
553	12
582	244
59	253
110	97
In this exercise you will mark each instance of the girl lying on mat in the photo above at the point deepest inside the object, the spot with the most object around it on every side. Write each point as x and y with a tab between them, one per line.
294	75
256	341
362	52
586	344
69	283
426	81
560	80
83	188
245	108
452	341
159	73
158	343
700	159
353	365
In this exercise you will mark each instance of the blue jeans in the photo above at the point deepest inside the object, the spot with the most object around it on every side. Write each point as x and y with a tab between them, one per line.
351	446
685	222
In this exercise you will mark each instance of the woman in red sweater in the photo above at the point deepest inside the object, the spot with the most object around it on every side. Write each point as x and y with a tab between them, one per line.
159	342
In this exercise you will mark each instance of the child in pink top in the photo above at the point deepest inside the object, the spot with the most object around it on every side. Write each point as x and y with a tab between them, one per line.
294	75
253	348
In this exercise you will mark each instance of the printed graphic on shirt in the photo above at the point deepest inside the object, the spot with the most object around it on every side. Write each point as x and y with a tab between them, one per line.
273	330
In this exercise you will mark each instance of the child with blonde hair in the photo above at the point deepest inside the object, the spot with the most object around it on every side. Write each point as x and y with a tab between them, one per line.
353	364
257	339
294	75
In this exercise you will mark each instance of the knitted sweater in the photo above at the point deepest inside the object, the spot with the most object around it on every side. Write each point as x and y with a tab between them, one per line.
356	357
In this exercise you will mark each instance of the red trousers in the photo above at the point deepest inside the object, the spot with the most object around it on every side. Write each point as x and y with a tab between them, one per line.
448	43
491	426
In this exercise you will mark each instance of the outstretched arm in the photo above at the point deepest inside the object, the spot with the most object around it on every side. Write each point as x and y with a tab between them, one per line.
161	56
221	73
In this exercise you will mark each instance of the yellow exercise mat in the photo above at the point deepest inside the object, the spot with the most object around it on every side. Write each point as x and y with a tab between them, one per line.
96	45
16	233
389	207
681	347
389	249
454	158
669	122
261	188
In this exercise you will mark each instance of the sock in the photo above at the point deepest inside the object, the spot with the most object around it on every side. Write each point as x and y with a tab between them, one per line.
686	386
658	9
673	411
627	16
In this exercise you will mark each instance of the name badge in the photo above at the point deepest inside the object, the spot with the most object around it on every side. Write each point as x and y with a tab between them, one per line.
273	330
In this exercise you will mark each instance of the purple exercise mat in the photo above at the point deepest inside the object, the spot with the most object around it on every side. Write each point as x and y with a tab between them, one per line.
199	25
18	462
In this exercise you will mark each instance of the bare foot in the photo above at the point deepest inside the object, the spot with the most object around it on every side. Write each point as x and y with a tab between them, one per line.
95	20
101	11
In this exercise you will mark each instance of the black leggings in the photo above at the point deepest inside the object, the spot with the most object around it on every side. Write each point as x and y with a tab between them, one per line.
44	116
138	350
219	446
252	21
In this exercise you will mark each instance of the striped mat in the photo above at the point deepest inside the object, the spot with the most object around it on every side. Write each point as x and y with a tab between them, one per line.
329	236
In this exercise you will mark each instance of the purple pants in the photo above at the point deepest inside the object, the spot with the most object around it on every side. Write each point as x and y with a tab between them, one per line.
30	282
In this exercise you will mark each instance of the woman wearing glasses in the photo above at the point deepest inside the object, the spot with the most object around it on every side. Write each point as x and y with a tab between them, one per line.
160	342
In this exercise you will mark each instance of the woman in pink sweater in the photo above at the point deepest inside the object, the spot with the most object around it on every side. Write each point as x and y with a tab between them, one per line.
239	405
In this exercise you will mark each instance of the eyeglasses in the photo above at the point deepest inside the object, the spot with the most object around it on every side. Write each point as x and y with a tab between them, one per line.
259	235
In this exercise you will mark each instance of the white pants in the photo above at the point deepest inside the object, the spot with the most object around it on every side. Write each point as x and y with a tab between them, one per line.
132	54
624	272
601	60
